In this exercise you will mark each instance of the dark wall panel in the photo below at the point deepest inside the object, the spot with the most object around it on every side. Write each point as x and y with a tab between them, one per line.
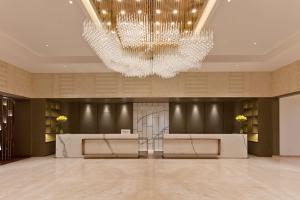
195	118
37	125
177	118
98	117
71	110
65	110
238	110
275	107
228	117
88	118
214	117
107	118
124	117
265	126
74	117
267	115
22	136
39	146
204	117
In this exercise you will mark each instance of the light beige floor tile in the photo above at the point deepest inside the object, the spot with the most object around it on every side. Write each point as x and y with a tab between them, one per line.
156	179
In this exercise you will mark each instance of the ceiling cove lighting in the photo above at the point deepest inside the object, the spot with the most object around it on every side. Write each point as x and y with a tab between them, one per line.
142	38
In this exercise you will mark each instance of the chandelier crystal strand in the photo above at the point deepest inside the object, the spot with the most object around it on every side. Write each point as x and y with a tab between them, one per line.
138	45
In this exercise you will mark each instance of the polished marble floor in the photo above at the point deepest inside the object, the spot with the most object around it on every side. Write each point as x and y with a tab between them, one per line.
156	179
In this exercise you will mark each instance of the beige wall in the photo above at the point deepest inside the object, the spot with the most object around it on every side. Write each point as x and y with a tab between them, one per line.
286	79
184	85
16	81
289	125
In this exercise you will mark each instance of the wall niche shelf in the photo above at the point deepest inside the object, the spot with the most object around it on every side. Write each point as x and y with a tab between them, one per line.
250	110
52	111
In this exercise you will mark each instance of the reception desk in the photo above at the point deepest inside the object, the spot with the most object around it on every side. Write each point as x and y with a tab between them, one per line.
205	146
174	146
97	145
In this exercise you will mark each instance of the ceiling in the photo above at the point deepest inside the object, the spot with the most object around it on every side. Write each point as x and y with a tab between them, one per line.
43	36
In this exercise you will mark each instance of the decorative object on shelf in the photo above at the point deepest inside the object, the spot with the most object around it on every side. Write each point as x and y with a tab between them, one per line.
241	119
61	120
142	38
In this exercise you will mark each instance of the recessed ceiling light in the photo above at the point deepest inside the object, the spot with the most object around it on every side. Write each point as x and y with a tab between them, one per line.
104	12
158	11
254	43
175	12
228	1
157	23
70	2
194	10
189	22
46	45
122	12
139	12
108	23
119	0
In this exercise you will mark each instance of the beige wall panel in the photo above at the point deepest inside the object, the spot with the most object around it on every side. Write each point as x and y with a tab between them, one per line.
166	87
136	87
64	85
43	85
23	83
236	84
258	84
11	78
14	80
286	79
218	84
107	85
194	84
3	77
84	85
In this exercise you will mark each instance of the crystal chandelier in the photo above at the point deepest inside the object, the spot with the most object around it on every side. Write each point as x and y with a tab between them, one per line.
148	37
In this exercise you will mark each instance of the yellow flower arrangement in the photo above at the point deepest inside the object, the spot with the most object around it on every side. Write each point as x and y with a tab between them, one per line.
241	118
62	118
